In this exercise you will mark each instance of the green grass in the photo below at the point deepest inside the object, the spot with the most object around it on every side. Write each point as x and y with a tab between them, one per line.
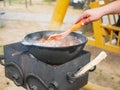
23	1
1	49
2	26
48	0
16	1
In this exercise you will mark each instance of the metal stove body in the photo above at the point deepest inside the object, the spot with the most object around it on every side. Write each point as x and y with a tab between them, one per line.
27	71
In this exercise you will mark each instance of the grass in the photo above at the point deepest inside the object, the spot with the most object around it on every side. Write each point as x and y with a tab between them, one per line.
16	1
23	1
48	0
2	26
1	49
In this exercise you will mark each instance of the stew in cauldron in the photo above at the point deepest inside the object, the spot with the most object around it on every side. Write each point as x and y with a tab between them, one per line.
67	41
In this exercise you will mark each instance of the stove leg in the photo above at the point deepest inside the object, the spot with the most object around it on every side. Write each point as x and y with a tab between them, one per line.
91	86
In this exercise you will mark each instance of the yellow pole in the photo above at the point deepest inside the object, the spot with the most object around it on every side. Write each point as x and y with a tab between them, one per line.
58	15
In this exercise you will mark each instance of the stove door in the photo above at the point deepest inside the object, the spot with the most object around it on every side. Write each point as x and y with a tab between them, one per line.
14	72
33	82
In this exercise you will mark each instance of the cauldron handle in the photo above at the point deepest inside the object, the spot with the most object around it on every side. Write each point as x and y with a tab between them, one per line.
93	63
72	77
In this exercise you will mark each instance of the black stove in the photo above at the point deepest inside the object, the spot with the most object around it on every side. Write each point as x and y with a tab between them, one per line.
33	74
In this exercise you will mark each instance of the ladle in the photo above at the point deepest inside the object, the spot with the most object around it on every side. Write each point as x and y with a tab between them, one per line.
64	34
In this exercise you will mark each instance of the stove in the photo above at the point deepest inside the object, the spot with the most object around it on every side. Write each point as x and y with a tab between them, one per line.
27	71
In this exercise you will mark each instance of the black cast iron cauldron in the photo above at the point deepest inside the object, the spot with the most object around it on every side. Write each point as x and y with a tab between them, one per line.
53	55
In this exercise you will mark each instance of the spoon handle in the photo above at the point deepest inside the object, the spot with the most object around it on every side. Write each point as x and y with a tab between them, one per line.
77	26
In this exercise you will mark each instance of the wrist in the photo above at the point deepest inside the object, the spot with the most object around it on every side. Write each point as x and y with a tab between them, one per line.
103	11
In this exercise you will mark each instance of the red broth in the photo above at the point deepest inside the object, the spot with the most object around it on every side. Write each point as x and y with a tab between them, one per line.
67	41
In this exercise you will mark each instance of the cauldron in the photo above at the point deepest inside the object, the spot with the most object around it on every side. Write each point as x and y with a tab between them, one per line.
53	55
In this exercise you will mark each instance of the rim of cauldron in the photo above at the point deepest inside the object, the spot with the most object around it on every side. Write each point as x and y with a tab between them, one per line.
50	47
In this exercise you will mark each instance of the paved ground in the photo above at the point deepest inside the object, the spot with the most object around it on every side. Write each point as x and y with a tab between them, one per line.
40	17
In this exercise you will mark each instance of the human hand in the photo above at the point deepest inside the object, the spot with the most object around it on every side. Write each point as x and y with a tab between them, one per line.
90	15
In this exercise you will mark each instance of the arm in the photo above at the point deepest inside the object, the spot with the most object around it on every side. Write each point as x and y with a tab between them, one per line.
96	13
112	8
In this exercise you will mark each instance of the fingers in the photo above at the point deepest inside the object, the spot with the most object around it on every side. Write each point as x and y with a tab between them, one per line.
80	18
84	20
85	17
87	20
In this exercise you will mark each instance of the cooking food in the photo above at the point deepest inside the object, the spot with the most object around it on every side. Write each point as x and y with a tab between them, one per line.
61	42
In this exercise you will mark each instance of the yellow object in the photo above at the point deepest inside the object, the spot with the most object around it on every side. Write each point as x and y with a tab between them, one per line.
104	34
58	14
91	86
